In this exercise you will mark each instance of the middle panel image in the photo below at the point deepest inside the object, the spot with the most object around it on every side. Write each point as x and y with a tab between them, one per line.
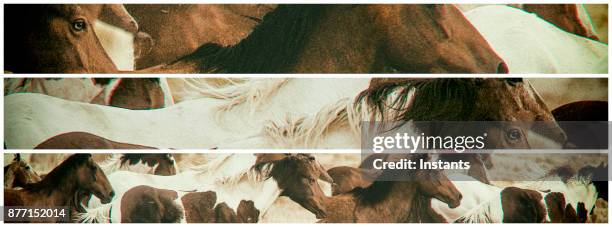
284	113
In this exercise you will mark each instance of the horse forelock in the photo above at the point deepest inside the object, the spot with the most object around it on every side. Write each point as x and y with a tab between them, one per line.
451	99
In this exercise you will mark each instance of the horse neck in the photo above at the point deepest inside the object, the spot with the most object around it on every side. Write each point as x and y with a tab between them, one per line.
272	47
57	193
422	212
397	205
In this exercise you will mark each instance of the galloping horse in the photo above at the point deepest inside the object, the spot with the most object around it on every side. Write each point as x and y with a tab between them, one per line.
19	173
64	186
233	178
314	39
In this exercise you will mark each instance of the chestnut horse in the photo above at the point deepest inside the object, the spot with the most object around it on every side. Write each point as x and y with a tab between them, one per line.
19	173
437	100
64	185
351	39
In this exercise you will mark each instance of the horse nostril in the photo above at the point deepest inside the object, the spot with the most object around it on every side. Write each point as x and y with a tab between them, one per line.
112	194
502	68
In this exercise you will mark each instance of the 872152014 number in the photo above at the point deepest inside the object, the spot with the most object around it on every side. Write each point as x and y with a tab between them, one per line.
36	214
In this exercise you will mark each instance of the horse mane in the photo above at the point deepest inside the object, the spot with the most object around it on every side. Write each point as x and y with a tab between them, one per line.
445	99
307	131
486	212
272	47
111	164
57	176
237	174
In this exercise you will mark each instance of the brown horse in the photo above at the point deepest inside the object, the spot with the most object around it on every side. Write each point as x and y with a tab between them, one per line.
514	108
19	173
59	38
405	200
179	29
64	185
351	39
564	16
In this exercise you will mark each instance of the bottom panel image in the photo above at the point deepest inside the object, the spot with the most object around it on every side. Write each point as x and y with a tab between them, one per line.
298	188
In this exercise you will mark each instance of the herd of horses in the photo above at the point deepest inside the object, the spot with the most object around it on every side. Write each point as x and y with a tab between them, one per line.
145	188
285	113
410	38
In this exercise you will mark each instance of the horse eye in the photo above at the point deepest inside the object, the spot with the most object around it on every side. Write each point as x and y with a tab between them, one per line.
514	134
79	25
27	167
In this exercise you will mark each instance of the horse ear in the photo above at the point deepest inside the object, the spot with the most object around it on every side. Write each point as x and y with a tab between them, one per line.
17	157
266	158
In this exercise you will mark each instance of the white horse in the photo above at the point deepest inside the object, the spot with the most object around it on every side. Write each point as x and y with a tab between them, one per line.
232	176
529	44
31	119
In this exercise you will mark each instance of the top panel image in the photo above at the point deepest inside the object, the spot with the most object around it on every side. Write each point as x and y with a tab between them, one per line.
250	39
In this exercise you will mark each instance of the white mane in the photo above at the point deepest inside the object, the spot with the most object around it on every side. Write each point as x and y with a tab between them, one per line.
487	212
92	215
229	177
252	92
111	164
307	131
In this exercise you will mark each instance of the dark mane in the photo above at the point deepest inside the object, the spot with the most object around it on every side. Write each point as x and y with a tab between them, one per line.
59	175
272	47
277	168
448	99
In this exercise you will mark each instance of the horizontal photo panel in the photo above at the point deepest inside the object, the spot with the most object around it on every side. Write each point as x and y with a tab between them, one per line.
299	188
311	38
371	114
